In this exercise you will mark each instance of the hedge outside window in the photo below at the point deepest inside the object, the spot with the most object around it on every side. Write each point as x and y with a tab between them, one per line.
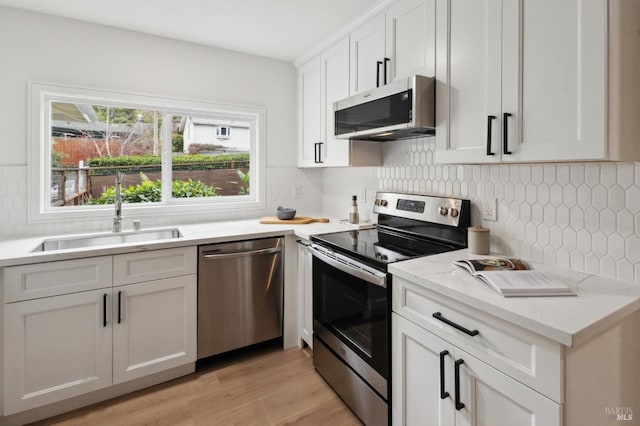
167	151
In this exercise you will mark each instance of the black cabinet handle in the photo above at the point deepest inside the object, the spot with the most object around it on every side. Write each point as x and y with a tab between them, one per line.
505	131
443	394
104	310
119	307
459	405
378	63
317	152
490	118
439	317
386	60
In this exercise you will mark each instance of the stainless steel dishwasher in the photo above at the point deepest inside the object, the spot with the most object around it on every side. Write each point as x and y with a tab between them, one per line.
239	294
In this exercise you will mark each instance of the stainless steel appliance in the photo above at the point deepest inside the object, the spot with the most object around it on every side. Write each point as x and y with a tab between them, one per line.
239	294
352	292
399	110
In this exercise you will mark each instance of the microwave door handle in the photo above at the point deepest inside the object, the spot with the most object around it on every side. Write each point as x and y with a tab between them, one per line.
372	277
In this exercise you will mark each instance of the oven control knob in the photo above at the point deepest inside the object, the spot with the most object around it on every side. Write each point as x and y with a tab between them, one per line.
443	210
453	212
384	203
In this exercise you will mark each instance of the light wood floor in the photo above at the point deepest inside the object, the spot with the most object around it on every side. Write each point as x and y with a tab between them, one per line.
267	386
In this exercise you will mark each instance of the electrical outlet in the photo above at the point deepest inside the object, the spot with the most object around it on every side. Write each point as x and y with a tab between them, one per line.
490	210
297	192
362	195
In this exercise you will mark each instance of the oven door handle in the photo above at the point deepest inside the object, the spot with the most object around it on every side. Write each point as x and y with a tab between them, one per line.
352	268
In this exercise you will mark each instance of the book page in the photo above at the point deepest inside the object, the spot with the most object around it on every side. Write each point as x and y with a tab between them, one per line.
493	264
524	282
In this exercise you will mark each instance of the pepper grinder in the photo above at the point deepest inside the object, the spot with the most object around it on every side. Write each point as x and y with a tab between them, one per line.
354	217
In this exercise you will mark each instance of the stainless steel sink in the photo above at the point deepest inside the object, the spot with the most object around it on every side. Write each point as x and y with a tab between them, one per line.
107	239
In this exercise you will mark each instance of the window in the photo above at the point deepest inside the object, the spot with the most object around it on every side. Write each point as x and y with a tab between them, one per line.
172	155
223	132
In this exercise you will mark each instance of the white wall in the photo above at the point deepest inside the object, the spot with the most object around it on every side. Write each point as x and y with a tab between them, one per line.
583	216
37	47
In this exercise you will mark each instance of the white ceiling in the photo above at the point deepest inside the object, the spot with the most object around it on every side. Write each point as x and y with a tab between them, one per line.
281	29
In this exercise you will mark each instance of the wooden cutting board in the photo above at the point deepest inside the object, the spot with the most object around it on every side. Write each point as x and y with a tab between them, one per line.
298	220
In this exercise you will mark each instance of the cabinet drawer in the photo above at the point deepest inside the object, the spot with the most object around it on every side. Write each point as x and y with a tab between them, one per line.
525	356
54	278
151	265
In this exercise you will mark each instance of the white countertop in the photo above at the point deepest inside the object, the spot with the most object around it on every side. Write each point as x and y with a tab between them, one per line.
18	252
600	302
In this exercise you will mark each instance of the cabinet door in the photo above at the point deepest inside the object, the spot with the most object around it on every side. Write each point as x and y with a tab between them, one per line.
410	38
417	377
335	86
554	79
367	49
154	327
56	348
309	121
468	73
305	294
493	398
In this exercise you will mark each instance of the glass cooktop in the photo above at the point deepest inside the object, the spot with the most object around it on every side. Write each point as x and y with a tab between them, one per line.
380	246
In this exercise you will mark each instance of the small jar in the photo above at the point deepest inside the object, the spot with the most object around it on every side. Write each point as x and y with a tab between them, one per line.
479	240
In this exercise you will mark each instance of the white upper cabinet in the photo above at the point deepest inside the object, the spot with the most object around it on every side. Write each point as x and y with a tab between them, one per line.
309	110
334	86
529	80
322	81
410	38
468	79
368	55
395	44
554	80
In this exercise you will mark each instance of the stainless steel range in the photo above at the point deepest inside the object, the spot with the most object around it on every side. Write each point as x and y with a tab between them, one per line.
352	292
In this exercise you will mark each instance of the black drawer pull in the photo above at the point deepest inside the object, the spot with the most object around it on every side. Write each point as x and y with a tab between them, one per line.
439	317
119	307
378	63
459	405
317	152
490	118
443	394
104	310
505	130
386	60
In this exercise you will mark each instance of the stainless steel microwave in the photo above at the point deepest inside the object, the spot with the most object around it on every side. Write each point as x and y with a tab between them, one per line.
399	110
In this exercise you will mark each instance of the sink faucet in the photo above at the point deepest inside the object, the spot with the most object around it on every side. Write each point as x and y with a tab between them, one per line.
117	220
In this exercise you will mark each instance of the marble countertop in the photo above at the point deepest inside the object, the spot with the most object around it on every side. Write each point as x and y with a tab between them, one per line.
600	302
18	252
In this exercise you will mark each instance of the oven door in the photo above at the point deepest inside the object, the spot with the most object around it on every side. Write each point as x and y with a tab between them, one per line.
351	314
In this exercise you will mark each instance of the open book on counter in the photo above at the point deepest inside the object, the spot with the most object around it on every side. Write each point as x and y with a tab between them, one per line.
512	277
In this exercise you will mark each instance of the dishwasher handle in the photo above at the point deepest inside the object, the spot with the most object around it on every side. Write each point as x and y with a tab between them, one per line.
236	254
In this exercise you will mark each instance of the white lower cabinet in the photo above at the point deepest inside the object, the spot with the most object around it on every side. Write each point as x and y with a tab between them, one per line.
436	383
305	294
154	327
68	344
55	348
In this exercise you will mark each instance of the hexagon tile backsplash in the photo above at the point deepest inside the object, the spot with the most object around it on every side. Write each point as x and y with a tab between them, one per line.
583	216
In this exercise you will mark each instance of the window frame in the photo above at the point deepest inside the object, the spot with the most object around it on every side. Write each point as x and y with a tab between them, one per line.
40	96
